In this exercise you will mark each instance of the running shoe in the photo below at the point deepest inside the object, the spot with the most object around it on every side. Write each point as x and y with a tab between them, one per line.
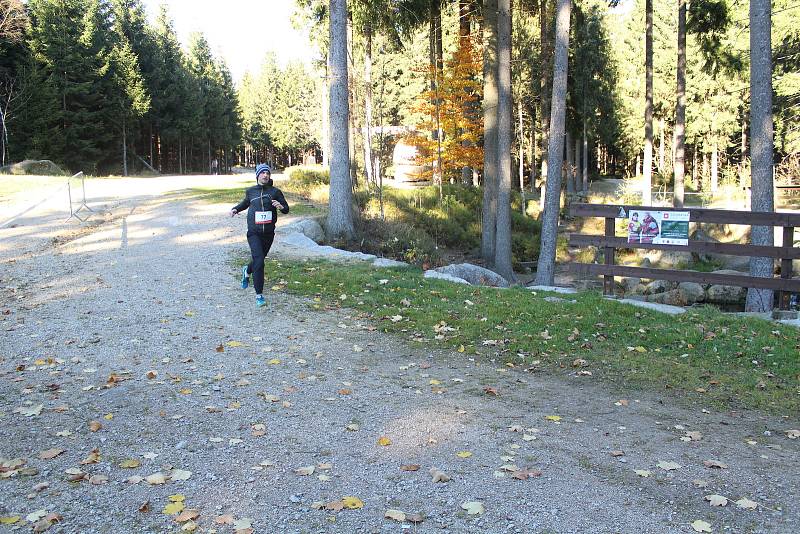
260	301
245	278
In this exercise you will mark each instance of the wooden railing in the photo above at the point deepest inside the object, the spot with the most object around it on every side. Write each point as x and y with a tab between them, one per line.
609	243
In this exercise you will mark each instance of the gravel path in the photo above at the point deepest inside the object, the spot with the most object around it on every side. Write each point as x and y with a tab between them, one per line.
138	324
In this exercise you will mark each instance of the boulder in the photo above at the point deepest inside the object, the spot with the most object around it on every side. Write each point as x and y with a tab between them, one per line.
659	286
673	297
308	227
667	259
442	276
628	284
692	292
739	263
475	275
718	294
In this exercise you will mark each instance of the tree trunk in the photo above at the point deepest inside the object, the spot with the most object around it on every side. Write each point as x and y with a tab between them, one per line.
714	168
661	146
568	166
680	107
743	162
490	102
576	165
326	144
180	156
521	155
532	151
124	149
463	35
761	145
546	266
694	167
502	256
585	159
545	88
368	161
340	215
647	174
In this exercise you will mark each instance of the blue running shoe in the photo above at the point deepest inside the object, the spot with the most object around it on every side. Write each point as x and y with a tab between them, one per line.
245	278
260	302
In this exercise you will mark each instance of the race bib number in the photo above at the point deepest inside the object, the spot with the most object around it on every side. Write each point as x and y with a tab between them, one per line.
263	217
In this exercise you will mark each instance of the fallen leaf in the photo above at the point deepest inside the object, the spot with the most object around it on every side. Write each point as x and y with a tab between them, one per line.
130	464
144	507
516	428
173	508
554	418
716	500
473	507
93	457
225	519
305	471
179	474
715	464
190	526
49	454
98	480
187	515
415	518
793	434
491	391
525	474
352	503
464	454
9	519
410	467
94	426
156	479
29	411
352	427
396	515
46	522
642	472
746	503
668	466
234	343
178	497
345	391
384	441
701	526
617	454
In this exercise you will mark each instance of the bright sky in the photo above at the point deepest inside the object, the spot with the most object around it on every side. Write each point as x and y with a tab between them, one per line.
241	31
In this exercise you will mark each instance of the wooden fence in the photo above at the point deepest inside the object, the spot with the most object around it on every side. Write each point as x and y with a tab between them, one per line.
609	243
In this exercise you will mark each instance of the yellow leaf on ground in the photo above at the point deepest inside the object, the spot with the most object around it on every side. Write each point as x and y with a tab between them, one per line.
108	416
384	441
130	464
435	382
174	508
234	343
352	503
274	361
178	497
553	417
9	519
463	454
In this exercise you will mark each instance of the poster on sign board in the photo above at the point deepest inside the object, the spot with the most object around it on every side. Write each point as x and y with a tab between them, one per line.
658	227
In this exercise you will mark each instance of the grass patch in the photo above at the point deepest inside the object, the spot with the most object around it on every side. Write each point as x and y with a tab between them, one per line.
706	355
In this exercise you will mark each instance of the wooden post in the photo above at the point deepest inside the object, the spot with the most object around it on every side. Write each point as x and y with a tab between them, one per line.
786	267
609	252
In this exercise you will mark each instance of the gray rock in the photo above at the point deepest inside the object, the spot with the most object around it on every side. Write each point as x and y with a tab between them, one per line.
692	292
659	286
442	276
718	294
308	227
668	259
475	275
628	284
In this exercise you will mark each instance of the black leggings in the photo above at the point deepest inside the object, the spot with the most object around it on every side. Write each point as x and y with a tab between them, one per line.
260	243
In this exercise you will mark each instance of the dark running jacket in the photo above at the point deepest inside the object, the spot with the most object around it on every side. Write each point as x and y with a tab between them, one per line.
259	198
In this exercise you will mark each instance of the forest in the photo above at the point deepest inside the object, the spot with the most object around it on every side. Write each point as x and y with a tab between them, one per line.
688	102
